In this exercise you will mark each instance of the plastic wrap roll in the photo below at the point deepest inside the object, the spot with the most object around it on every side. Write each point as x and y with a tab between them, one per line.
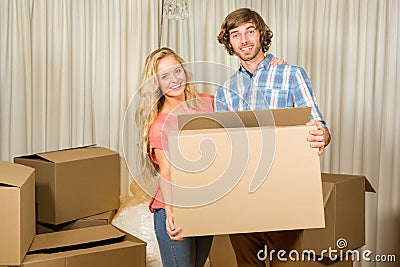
137	220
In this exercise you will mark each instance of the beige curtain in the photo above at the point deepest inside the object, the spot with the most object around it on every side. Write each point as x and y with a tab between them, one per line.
68	71
351	51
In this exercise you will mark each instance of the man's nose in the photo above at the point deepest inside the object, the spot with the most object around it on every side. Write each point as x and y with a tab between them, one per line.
244	39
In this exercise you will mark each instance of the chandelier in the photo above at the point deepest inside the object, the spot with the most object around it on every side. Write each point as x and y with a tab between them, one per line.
175	9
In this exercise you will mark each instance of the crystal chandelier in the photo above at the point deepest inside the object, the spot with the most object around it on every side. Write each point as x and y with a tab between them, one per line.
175	9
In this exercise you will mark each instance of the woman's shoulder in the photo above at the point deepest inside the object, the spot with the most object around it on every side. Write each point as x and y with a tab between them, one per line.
207	102
204	95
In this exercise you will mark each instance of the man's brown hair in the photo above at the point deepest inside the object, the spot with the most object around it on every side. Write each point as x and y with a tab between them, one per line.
239	17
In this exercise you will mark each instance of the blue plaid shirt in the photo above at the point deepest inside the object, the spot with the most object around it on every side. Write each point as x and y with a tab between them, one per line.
270	87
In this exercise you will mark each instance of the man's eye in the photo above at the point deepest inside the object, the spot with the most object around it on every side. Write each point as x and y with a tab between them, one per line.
235	36
251	31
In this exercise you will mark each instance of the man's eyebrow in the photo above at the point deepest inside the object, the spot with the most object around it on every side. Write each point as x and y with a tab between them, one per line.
234	31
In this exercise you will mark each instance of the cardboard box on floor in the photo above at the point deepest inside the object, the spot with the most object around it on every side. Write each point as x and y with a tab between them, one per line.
97	246
17	209
344	200
248	178
222	254
95	220
74	183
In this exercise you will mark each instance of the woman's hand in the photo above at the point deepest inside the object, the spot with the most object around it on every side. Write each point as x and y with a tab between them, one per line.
277	61
170	226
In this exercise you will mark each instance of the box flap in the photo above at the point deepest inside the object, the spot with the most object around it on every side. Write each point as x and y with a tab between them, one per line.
369	187
327	189
70	238
12	174
245	118
339	178
75	154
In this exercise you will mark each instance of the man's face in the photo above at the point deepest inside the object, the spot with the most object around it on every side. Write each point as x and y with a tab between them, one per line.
245	41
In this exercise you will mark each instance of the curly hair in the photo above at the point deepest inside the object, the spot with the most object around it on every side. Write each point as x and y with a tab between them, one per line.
239	17
152	100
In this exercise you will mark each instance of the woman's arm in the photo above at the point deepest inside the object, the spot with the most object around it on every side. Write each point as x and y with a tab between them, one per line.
165	185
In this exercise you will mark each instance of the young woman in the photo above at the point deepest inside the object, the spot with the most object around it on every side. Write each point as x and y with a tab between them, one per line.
165	92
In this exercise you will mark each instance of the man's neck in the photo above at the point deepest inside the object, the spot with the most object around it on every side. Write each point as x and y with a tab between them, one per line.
251	65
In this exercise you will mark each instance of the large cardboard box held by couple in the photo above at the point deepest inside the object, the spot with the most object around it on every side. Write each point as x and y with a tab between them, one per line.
97	246
17	209
74	183
245	171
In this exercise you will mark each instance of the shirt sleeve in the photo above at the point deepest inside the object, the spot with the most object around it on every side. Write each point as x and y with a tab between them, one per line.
155	140
304	96
220	102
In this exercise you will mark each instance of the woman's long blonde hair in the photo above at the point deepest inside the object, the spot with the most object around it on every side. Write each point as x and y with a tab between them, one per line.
150	105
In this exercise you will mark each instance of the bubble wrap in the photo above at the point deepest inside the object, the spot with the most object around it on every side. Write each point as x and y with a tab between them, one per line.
138	221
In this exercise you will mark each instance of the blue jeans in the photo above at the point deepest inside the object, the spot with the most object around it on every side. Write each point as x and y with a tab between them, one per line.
192	251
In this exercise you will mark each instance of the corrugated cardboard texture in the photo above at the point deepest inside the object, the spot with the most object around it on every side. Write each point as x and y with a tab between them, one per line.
291	190
75	183
98	246
17	209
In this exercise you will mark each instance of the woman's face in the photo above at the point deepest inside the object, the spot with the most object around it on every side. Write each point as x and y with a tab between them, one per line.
171	77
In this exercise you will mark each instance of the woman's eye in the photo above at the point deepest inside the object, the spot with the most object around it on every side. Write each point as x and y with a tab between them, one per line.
178	71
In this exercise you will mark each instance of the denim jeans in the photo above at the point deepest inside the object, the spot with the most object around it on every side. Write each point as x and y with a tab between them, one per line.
192	251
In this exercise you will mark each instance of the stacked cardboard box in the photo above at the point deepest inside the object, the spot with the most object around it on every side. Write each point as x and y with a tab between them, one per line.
97	246
94	220
17	209
76	191
74	183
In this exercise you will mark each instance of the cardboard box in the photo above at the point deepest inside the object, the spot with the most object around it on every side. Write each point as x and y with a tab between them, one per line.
74	183
245	178
222	254
17	209
95	220
97	246
344	201
286	249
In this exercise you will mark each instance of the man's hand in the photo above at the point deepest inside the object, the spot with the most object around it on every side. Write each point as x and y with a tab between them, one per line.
320	137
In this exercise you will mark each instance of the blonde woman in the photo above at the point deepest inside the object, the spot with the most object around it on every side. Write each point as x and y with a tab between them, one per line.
165	92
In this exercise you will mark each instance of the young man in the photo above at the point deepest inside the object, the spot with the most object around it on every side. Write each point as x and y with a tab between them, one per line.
259	85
